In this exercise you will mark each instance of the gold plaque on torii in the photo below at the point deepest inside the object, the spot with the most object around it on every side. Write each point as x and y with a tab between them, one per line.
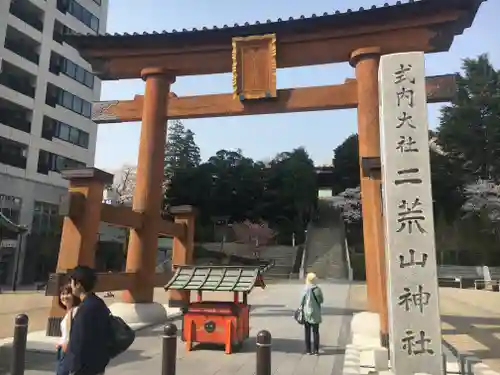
254	67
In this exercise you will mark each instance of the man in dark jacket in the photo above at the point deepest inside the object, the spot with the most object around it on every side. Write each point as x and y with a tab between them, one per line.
87	351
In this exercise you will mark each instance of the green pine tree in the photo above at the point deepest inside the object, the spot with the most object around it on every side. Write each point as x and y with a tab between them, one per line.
181	151
469	132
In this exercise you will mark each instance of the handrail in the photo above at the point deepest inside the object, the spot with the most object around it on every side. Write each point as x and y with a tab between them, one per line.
350	274
347	254
302	270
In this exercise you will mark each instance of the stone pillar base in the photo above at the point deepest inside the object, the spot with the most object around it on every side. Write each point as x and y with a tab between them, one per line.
365	328
138	315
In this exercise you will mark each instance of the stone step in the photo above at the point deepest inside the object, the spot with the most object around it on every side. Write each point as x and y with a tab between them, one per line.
325	250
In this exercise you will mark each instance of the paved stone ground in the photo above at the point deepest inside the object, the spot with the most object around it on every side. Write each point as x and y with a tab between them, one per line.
272	309
470	320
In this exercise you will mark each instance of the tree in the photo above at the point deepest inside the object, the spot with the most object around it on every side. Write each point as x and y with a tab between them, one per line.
349	204
254	234
346	165
181	151
469	129
123	185
290	192
237	186
281	193
191	186
446	177
447	186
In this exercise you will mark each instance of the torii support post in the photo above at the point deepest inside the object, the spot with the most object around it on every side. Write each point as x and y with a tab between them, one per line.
366	63
183	251
148	194
80	228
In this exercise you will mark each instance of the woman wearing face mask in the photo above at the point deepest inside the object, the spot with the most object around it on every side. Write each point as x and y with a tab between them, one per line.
69	302
312	299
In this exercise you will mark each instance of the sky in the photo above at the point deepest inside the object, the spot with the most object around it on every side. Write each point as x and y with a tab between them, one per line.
262	137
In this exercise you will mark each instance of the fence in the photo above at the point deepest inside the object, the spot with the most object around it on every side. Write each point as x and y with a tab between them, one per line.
169	349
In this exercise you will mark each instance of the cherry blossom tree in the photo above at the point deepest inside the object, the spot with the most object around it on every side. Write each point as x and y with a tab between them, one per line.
483	196
349	203
255	235
121	191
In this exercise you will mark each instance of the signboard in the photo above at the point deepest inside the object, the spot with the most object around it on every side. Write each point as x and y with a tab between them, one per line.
414	320
254	67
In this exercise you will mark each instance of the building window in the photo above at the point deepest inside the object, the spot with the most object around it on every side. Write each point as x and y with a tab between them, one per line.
48	161
59	64
13	153
98	2
56	95
64	131
52	128
67	100
60	30
79	12
46	218
11	207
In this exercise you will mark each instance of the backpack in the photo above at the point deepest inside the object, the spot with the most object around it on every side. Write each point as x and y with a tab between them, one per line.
122	336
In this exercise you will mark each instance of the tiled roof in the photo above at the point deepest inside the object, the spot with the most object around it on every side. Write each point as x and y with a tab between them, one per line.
216	278
291	24
256	23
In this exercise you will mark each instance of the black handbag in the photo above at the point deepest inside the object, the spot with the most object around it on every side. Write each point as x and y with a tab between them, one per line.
298	315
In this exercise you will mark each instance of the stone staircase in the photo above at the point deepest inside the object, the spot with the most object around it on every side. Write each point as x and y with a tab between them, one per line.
325	244
283	257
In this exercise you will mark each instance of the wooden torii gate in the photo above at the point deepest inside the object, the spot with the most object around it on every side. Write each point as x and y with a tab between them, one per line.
83	210
253	53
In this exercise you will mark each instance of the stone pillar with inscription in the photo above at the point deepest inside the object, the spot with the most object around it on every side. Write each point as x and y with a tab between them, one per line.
148	194
414	319
366	62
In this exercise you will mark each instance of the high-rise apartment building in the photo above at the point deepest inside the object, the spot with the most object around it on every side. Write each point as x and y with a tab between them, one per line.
46	91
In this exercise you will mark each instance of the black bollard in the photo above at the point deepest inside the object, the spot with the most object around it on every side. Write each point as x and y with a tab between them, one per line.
19	345
169	349
263	353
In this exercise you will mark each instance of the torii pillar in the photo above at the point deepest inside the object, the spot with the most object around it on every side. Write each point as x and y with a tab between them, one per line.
148	194
366	63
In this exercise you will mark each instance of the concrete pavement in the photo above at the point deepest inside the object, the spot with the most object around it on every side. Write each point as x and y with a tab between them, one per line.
272	309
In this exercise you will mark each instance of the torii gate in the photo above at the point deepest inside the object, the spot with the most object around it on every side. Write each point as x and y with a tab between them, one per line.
252	53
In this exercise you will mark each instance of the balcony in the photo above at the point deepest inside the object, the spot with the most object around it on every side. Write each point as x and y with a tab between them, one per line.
15	116
17	79
22	45
13	153
26	11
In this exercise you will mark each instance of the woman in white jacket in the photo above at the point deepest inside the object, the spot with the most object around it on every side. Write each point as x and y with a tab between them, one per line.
69	302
